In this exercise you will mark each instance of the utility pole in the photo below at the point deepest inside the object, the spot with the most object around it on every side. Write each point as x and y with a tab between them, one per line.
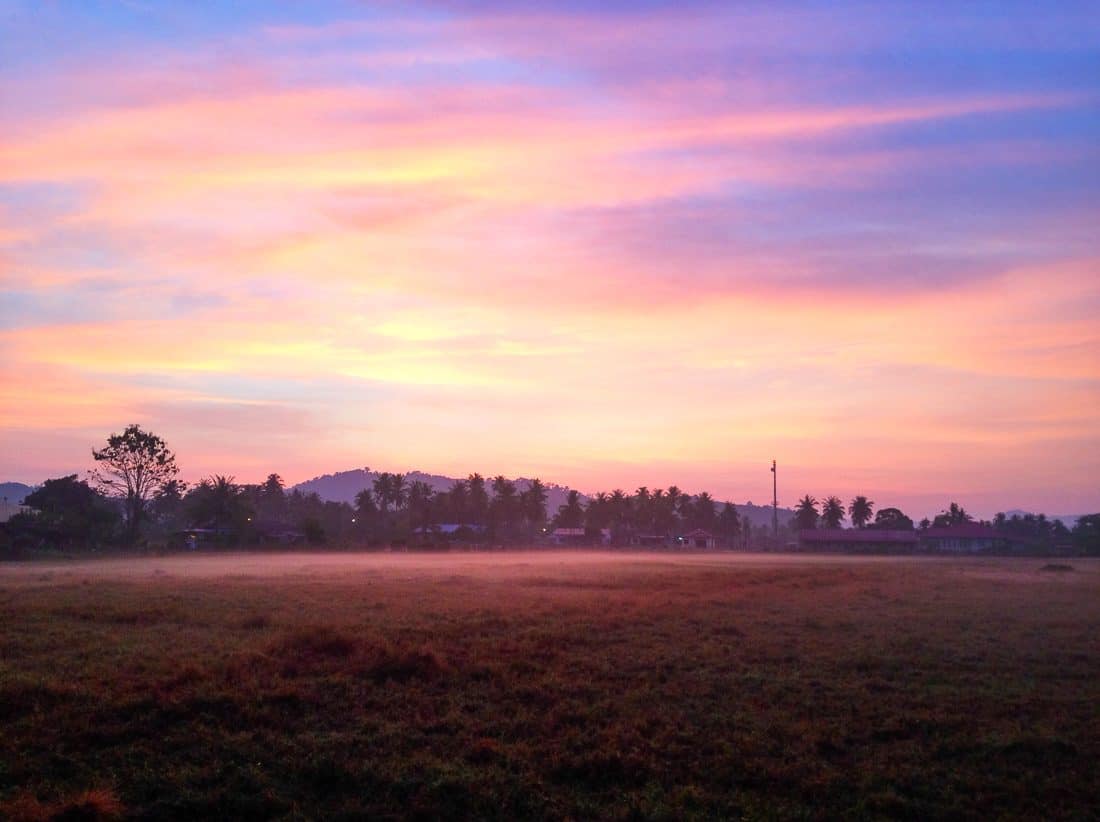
775	506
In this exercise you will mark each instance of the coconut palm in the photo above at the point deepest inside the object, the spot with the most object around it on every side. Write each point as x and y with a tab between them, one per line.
832	512
860	511
805	513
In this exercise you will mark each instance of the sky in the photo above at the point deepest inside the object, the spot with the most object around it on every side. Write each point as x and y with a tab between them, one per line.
610	246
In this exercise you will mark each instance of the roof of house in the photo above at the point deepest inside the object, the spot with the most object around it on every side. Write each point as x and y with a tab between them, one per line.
971	530
568	532
853	535
699	533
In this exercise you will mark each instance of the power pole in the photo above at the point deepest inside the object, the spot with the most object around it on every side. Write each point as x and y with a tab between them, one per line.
775	506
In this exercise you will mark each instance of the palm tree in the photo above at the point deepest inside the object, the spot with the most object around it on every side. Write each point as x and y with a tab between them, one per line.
832	512
503	505
420	504
729	521
805	513
533	502
383	492
457	497
860	511
479	498
571	514
399	491
704	510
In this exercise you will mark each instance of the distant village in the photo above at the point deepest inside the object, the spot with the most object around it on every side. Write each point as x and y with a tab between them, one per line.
132	499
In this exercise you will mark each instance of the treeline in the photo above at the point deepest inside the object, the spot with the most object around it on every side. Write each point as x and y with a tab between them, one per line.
133	496
1037	529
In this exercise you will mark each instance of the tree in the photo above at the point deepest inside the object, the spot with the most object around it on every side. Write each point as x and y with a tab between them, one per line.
478	498
892	519
135	465
860	511
218	502
704	511
954	515
571	514
420	504
729	523
1086	534
832	512
533	503
70	510
272	498
805	513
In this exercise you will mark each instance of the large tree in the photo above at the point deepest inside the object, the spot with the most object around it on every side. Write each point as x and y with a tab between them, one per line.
892	519
69	510
860	511
134	465
832	512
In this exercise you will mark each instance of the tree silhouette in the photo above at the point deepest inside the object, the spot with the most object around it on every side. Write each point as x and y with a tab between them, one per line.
478	497
533	503
134	465
571	514
954	515
805	513
892	519
860	511
420	504
729	522
832	512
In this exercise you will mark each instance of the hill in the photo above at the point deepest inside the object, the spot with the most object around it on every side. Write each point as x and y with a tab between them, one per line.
344	485
14	492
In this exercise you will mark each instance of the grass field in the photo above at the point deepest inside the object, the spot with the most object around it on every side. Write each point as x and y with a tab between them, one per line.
533	685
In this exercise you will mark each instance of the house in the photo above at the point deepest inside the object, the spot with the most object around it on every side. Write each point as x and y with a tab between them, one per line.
10	509
699	538
969	538
857	541
277	532
451	532
581	536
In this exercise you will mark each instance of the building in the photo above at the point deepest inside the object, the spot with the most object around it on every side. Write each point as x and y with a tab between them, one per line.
699	539
857	541
580	536
10	509
969	538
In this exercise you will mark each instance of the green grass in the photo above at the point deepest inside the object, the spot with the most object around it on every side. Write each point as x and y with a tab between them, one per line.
549	686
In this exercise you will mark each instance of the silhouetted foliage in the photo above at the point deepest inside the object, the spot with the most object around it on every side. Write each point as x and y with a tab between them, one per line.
134	465
892	519
954	515
1086	534
805	513
832	512
860	511
67	512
